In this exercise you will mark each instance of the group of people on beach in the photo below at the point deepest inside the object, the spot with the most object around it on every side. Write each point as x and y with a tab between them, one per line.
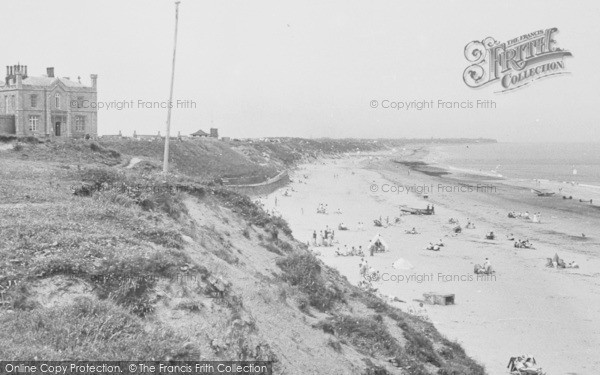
323	238
354	251
435	246
557	262
323	209
525	215
381	223
486	268
524	365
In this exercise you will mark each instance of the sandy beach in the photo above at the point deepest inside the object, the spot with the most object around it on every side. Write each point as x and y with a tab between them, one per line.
525	308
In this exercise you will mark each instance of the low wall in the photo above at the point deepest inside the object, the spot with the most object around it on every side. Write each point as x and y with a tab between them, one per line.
262	188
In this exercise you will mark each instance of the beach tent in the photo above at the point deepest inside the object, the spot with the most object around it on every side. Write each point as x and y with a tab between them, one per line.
384	245
402	264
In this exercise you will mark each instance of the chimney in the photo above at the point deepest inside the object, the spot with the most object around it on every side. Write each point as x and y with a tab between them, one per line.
19	79
94	78
50	72
134	134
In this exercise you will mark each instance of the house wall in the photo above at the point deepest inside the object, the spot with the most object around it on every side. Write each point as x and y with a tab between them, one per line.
46	110
7	124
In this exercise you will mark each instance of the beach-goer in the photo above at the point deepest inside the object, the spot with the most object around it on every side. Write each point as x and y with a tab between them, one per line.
487	265
362	266
421	310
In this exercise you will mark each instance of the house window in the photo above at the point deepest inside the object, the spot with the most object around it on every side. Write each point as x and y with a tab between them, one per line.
80	102
6	104
33	101
12	102
33	123
57	101
80	123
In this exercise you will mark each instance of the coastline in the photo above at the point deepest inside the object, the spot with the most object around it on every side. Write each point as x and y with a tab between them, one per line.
493	320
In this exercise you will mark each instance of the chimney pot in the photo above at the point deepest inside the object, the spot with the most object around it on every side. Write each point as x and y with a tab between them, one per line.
50	72
94	78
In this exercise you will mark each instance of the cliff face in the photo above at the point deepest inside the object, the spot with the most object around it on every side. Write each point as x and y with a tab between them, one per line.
113	263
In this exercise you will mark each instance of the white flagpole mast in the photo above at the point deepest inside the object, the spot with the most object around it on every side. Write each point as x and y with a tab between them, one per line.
166	156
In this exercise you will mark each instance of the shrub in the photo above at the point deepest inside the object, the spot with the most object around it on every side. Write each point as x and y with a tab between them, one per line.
7	138
87	329
367	334
304	271
419	345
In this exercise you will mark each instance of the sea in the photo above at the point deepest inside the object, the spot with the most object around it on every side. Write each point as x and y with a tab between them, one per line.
562	162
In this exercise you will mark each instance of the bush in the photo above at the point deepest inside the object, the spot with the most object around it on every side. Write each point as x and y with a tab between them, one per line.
420	346
368	335
251	212
304	271
7	138
87	330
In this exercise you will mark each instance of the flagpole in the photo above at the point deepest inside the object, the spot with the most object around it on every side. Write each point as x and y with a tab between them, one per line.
167	136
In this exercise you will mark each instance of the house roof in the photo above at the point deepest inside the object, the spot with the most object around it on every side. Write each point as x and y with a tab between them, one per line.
200	133
48	81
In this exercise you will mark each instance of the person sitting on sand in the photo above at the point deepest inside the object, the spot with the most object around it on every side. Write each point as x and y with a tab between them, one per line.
490	236
440	243
487	265
412	231
433	247
338	211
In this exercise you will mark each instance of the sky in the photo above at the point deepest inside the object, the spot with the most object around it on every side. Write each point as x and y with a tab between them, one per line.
311	68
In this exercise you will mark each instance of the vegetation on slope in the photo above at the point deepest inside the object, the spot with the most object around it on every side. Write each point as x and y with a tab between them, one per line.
105	262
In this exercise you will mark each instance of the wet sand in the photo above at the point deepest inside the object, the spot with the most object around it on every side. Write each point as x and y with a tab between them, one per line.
525	308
